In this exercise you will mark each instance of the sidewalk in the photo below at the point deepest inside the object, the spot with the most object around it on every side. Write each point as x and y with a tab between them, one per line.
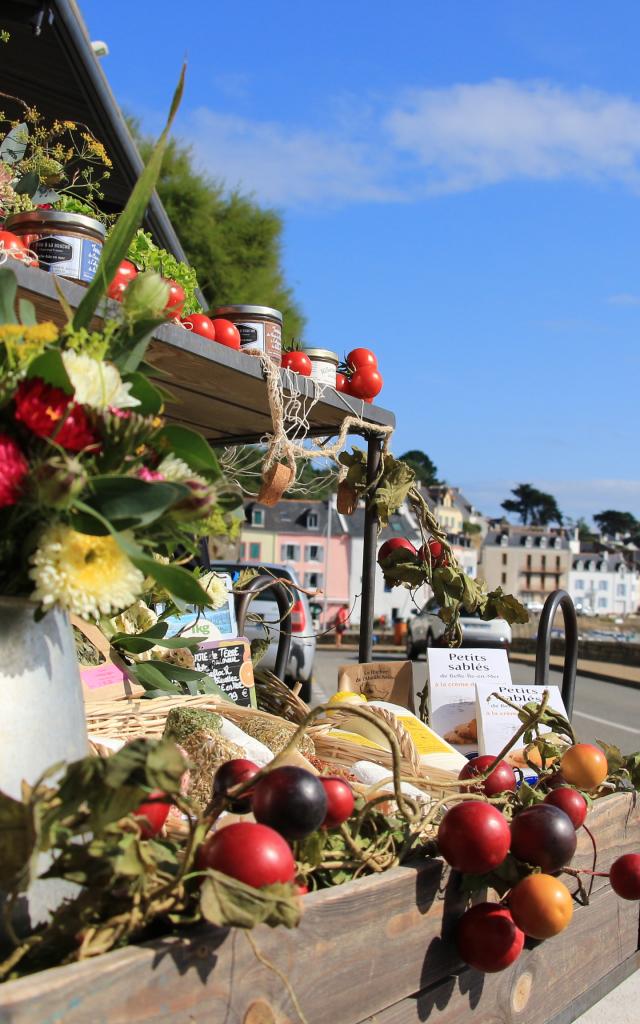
624	675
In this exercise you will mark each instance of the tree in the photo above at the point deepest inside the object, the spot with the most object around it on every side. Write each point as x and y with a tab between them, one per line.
612	522
426	471
233	243
533	506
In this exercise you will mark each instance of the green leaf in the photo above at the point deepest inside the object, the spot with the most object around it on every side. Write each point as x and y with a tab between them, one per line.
136	338
8	290
17	841
226	902
150	397
149	677
27	312
49	367
127	501
117	244
28	184
192	449
14	144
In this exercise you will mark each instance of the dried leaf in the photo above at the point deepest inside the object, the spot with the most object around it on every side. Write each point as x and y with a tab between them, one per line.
225	902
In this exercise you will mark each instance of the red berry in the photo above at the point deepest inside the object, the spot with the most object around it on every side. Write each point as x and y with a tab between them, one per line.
502	778
342	383
231	774
624	876
488	938
474	837
393	545
432	551
340	801
152	814
175	302
254	854
569	801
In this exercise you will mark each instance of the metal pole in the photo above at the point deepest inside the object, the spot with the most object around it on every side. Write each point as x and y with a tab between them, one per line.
325	601
543	646
374	448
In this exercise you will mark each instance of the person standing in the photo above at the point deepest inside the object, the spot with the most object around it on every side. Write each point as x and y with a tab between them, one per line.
340	623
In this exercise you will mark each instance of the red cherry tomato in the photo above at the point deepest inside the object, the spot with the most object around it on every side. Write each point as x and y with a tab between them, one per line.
544	836
252	853
201	324
365	383
359	357
297	361
624	876
474	837
488	938
175	302
118	287
501	780
342	384
340	801
152	814
434	553
393	545
226	333
569	801
126	269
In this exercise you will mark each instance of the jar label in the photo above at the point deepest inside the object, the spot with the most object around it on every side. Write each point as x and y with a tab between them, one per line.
323	371
68	256
261	336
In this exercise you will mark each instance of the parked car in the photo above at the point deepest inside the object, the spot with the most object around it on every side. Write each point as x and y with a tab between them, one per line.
425	629
303	640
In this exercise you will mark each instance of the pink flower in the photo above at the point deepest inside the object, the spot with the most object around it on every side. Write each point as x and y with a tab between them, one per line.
13	469
121	414
150	475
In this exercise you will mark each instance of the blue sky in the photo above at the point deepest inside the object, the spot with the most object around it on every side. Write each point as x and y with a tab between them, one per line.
460	186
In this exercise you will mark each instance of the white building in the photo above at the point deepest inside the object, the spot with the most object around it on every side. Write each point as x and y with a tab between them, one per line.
603	583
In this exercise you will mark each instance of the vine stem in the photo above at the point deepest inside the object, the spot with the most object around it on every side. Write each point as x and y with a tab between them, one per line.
532	721
279	974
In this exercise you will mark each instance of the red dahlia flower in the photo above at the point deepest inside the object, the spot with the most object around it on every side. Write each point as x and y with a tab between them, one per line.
13	469
49	412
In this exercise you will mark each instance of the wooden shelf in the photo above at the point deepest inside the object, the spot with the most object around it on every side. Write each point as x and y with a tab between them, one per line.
218	391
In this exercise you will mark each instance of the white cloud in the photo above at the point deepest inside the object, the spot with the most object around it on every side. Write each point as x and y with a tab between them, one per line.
624	299
288	166
426	142
467	136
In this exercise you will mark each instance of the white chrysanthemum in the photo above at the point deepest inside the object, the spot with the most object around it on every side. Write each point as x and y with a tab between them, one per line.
97	384
136	619
90	576
176	471
215	588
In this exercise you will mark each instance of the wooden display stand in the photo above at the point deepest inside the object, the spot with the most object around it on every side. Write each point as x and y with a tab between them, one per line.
374	951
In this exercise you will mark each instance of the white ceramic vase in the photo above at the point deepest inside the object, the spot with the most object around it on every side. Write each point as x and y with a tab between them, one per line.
42	719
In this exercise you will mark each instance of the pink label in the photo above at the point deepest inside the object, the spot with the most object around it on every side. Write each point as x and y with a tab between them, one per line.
101	675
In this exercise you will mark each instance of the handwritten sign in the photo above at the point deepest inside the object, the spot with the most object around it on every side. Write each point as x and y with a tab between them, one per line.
228	662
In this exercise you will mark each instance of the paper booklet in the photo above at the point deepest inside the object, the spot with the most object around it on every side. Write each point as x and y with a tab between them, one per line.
498	723
453	674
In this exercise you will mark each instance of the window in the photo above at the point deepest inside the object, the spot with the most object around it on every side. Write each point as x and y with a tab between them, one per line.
579	585
257	517
621	589
557	543
602	602
504	558
504	577
387	588
254	552
289	552
557	561
313	579
603	585
314	553
528	543
528	561
543	561
543	542
504	540
243	551
312	520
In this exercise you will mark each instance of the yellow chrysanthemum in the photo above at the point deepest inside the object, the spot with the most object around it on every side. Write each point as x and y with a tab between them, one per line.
11	332
90	576
41	333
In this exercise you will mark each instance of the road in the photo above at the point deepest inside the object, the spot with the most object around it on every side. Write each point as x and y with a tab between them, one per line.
603	710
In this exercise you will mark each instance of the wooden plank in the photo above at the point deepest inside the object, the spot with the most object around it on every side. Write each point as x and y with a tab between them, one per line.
376	940
578	967
218	391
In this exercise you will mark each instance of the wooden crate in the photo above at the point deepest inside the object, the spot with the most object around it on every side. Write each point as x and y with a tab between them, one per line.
376	950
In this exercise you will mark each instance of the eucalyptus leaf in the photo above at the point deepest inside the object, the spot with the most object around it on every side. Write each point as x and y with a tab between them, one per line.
127	501
27	312
192	449
49	367
150	397
226	902
28	184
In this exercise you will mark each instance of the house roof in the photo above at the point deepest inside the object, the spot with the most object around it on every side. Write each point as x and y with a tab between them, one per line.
291	516
612	562
518	537
49	64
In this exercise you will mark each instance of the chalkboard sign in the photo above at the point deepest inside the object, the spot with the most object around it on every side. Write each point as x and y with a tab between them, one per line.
228	662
